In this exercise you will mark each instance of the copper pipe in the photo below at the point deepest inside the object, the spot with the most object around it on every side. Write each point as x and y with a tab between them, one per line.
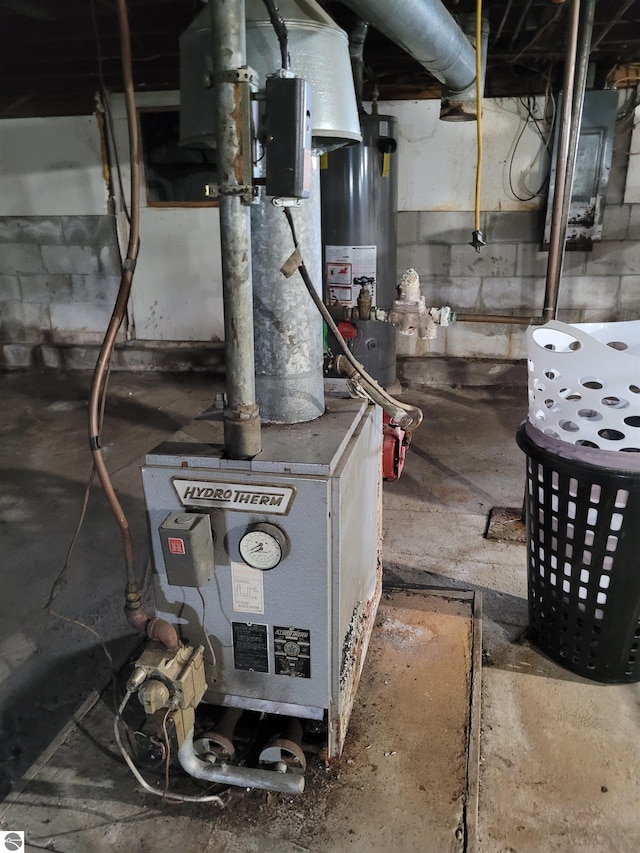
558	233
160	629
578	49
98	385
510	319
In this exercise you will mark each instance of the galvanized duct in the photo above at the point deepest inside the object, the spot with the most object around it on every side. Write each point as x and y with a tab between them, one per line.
319	52
287	326
428	32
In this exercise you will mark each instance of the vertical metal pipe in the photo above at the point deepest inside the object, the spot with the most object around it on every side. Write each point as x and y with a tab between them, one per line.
241	416
288	327
357	38
558	231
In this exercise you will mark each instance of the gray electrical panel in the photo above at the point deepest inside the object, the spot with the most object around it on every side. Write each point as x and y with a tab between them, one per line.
593	164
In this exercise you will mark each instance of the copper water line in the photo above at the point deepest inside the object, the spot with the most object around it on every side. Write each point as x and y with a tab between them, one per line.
128	267
564	167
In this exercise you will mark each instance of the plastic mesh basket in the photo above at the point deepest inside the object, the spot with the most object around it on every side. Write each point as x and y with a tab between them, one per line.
583	553
584	383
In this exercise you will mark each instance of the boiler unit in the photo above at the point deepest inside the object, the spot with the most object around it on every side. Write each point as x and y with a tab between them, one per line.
273	564
265	539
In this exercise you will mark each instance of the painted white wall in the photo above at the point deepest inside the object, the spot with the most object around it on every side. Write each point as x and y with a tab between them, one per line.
177	291
437	159
51	167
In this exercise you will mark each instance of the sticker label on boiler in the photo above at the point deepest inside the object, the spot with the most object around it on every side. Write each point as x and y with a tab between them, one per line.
276	500
292	652
250	647
248	589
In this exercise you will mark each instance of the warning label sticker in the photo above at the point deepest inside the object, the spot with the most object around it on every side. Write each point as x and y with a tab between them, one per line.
250	647
346	267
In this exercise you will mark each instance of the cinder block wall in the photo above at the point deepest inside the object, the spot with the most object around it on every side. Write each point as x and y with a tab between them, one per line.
59	277
508	276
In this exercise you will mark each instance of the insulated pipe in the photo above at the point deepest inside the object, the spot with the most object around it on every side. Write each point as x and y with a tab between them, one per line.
242	777
571	117
428	32
241	416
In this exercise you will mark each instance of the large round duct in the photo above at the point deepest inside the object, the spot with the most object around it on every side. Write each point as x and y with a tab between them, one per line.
319	53
287	325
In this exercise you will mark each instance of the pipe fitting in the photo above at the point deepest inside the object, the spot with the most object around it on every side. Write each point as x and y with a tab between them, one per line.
164	632
242	777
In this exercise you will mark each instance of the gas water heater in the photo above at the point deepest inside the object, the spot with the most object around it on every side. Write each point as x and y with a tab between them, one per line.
359	203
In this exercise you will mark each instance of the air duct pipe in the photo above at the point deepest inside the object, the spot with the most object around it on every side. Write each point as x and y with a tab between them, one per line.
428	32
463	106
241	416
357	38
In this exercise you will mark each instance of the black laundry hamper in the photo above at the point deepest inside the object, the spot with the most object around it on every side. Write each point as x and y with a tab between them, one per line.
583	556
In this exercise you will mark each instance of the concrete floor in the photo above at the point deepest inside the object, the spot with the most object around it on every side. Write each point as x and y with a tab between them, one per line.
559	755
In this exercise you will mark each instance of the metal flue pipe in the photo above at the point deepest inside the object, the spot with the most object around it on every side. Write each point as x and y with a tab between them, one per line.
428	32
241	416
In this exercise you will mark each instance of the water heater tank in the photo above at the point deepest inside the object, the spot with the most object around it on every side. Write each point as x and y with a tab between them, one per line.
359	202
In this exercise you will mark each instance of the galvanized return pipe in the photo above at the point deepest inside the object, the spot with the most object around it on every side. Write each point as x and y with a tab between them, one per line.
241	416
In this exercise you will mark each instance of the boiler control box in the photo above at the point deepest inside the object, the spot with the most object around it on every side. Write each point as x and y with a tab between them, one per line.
187	548
288	141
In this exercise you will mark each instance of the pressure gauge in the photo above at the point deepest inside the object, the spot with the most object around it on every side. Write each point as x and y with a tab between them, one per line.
264	546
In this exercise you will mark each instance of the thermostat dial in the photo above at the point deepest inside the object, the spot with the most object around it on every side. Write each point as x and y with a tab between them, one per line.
263	546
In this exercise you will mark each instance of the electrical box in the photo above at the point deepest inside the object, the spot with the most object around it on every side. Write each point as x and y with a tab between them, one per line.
288	143
591	176
187	548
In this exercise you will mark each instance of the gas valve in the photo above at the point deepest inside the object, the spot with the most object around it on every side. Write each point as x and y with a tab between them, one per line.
164	678
394	447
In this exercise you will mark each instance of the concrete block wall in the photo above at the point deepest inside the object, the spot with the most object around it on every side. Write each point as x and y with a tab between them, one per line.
59	276
508	275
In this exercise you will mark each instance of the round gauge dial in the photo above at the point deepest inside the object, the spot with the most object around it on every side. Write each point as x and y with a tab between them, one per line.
263	546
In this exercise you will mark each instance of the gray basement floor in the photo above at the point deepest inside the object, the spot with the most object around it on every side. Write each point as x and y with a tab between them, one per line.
559	755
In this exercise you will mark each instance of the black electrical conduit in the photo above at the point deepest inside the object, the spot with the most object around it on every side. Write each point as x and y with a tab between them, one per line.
280	27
